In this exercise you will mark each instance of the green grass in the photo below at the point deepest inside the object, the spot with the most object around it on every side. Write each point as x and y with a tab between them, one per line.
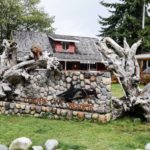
124	134
117	90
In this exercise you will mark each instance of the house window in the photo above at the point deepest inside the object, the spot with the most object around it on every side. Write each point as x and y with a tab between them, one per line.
83	66
93	67
65	45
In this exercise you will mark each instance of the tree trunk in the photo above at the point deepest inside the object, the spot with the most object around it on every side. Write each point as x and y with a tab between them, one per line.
122	62
13	75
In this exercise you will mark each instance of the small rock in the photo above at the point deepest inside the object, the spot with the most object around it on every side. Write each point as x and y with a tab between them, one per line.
43	108
75	78
81	115
3	147
49	98
98	91
27	109
108	117
92	78
38	109
68	79
12	105
95	116
88	116
18	106
23	106
87	81
75	113
87	87
147	146
22	143
32	107
108	87
106	81
77	73
93	85
51	144
102	119
63	112
68	86
69	115
37	147
58	111
99	96
81	77
16	111
82	83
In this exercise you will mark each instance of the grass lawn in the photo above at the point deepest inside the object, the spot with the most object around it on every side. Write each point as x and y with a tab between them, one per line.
117	90
123	134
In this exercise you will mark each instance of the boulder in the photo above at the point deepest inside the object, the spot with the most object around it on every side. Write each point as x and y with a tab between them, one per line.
3	147
51	144
22	143
147	146
37	148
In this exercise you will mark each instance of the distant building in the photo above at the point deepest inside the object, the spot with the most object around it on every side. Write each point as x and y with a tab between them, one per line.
144	63
74	52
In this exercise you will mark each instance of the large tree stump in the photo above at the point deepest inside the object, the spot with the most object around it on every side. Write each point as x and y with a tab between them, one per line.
122	63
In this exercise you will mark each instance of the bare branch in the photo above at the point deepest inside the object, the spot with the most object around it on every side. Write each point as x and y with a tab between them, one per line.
134	47
117	48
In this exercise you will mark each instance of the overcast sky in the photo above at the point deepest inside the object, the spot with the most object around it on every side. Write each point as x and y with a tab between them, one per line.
75	17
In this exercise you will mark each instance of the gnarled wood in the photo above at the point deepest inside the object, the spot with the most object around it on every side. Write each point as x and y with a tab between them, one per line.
13	75
122	62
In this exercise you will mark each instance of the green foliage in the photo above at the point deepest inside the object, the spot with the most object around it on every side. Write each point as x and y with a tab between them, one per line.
23	15
126	21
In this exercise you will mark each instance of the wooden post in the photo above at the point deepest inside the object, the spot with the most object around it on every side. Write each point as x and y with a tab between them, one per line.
146	64
89	65
65	65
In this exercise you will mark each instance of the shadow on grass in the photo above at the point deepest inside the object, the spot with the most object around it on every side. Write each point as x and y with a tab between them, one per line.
64	146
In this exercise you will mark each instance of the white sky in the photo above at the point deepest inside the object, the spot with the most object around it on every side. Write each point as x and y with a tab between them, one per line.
75	17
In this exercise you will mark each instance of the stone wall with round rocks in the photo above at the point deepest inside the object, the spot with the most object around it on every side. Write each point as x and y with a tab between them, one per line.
50	112
38	96
45	84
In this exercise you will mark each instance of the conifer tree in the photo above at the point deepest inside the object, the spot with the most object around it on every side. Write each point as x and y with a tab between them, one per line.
126	21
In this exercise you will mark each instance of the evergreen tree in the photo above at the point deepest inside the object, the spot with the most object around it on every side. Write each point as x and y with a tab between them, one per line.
23	15
126	21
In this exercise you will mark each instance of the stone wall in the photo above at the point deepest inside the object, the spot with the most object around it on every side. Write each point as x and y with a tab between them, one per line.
40	93
44	84
21	108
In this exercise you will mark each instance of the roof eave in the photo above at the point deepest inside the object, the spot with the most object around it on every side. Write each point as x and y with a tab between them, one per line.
63	40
